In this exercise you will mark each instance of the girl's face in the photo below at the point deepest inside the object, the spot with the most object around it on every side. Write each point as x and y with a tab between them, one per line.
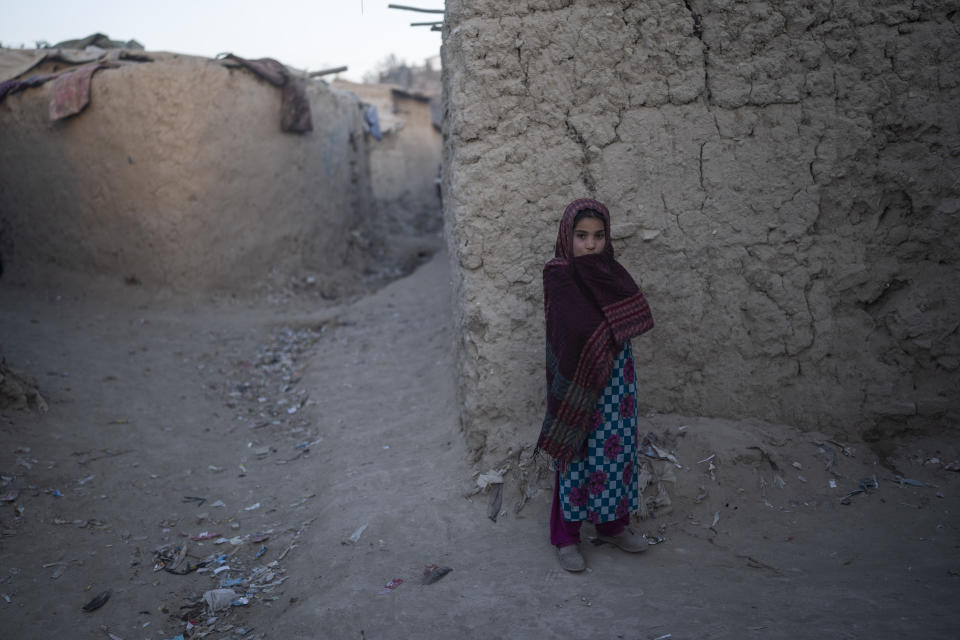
588	237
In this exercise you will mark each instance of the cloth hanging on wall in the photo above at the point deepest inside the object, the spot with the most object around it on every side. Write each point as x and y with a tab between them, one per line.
295	108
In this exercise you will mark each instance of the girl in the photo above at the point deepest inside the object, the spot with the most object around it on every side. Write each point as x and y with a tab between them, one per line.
593	307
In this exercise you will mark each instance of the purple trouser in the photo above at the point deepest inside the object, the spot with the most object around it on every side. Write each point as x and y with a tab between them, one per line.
564	533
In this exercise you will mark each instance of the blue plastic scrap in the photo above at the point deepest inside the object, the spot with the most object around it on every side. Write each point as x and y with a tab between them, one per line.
373	121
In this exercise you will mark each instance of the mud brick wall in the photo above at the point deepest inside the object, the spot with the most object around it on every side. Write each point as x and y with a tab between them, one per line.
177	174
783	180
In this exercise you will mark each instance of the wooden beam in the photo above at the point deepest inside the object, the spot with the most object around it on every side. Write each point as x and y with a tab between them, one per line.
406	8
326	72
425	24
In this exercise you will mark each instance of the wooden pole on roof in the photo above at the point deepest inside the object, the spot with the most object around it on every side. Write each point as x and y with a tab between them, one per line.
406	8
326	72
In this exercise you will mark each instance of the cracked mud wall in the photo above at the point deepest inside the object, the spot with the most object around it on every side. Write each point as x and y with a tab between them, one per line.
783	181
177	174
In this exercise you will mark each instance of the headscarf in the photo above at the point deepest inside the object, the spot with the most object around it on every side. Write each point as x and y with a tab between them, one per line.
592	307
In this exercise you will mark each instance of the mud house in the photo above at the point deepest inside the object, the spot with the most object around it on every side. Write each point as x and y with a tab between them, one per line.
781	175
191	173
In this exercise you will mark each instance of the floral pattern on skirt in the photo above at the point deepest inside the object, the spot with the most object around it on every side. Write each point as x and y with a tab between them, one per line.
600	485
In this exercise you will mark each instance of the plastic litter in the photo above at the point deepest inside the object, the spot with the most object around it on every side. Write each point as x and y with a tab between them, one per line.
831	457
844	449
649	448
293	543
98	601
169	557
907	481
190	568
952	466
864	487
110	635
390	586
262	550
10	496
204	536
490	477
217	599
433	573
301	500
496	501
355	536
252	507
712	467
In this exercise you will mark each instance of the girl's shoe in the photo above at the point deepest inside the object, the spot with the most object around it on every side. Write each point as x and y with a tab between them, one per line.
628	540
570	558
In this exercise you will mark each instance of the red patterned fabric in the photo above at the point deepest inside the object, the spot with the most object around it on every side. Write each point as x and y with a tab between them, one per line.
295	105
70	92
592	306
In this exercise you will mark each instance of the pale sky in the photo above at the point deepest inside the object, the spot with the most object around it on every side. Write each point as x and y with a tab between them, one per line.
302	34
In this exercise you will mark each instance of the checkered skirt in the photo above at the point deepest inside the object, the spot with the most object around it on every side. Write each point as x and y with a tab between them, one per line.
600	485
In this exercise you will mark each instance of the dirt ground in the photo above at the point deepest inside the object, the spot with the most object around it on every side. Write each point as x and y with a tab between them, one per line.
276	427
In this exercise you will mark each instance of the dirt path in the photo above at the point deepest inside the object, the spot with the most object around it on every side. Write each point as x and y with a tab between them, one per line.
309	422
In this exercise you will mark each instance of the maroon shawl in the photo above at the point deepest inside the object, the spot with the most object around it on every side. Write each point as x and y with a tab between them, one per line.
592	307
